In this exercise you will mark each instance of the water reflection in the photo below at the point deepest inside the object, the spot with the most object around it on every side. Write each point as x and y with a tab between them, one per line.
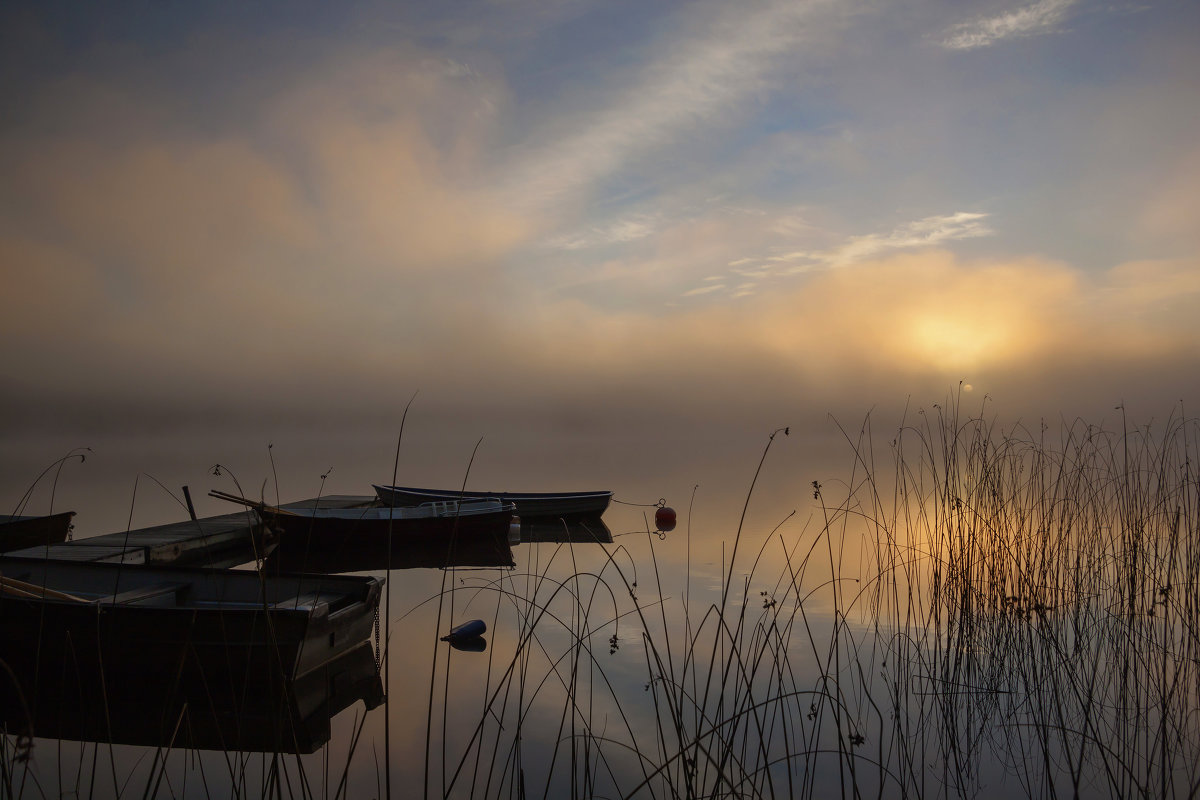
471	644
418	552
264	713
182	657
437	552
581	530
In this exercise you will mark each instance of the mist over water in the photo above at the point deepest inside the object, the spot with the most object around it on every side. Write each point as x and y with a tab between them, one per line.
814	605
283	251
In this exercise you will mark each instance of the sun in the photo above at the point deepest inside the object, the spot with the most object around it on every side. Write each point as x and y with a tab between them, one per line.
958	341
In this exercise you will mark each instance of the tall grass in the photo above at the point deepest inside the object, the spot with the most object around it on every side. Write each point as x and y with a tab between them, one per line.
971	609
989	609
1038	593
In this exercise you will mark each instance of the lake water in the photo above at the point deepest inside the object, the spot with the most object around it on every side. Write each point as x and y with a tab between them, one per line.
833	657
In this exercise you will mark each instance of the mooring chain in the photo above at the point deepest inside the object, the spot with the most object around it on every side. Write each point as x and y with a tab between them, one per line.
377	662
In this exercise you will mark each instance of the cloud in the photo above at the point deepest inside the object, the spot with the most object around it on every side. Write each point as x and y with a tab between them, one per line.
929	231
913	319
1037	18
926	232
626	229
693	79
931	312
343	240
917	313
908	322
1170	209
1156	299
338	211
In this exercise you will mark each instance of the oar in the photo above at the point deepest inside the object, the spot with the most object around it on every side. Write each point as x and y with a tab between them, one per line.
23	589
255	504
233	498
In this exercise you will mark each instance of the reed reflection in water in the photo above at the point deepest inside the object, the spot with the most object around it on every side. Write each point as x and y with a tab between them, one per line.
983	609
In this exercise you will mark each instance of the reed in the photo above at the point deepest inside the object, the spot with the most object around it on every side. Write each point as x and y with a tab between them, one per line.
989	607
1048	603
971	609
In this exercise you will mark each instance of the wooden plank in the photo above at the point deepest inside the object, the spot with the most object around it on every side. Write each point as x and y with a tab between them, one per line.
82	551
334	501
307	601
187	541
223	526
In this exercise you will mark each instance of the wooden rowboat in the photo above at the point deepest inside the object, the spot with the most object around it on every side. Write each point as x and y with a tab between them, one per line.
157	621
530	505
307	530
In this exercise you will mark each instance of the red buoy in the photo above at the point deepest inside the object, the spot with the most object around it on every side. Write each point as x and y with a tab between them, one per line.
664	518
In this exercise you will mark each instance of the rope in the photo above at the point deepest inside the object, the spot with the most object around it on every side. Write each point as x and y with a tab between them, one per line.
662	502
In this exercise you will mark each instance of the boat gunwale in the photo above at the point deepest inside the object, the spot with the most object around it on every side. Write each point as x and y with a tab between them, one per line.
528	504
456	494
480	506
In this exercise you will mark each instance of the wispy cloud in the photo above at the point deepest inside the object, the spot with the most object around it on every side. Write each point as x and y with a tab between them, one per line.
748	272
714	287
919	233
626	229
692	80
1043	16
926	232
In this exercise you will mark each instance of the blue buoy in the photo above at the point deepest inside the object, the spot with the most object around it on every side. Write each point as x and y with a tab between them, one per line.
467	630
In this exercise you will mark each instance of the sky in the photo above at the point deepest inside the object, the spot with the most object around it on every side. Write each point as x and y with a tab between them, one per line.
586	227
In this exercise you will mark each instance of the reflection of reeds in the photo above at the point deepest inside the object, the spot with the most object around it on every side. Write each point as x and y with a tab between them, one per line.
727	709
990	611
1016	611
1047	613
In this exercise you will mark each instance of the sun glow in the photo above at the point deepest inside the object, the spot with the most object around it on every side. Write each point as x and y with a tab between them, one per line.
957	340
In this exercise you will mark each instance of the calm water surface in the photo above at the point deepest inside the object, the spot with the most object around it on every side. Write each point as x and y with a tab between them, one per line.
820	661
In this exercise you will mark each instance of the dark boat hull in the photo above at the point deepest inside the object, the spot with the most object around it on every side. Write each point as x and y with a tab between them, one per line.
298	534
529	504
356	554
18	533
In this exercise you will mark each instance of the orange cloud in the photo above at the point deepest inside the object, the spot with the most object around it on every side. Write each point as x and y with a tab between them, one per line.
925	314
328	218
349	230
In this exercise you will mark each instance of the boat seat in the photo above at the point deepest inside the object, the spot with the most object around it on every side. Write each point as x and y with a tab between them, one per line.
156	594
306	601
